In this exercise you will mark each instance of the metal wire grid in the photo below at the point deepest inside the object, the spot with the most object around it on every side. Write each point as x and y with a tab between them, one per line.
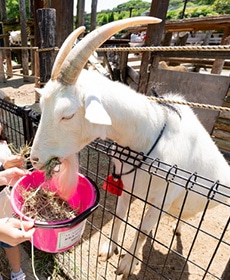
12	122
19	123
198	253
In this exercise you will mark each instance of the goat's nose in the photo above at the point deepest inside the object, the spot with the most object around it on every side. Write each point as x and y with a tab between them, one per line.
34	160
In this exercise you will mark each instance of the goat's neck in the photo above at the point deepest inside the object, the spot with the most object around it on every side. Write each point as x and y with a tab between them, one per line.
136	123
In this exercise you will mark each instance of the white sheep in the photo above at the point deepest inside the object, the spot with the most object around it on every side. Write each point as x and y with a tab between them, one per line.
79	106
15	38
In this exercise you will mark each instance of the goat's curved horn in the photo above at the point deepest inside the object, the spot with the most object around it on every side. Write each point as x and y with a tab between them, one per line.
78	56
64	51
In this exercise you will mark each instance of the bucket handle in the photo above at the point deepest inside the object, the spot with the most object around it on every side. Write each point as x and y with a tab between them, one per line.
77	219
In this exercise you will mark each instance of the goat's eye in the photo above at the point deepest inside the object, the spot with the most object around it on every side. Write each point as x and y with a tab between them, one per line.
68	117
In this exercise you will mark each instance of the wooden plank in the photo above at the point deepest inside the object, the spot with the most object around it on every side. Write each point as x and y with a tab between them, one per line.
222	145
225	115
219	22
223	124
93	61
196	61
195	87
200	23
220	134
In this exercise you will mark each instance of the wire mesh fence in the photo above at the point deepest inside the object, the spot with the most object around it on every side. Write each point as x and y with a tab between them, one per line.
199	251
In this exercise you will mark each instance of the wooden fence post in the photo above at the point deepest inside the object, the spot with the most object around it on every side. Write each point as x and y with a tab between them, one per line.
24	52
2	74
153	38
46	39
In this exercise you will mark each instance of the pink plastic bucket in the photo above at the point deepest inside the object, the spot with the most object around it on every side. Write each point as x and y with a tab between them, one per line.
57	237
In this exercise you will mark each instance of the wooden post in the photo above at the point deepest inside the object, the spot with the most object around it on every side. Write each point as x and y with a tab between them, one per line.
36	68
153	37
80	12
2	74
46	39
219	63
3	9
3	15
64	18
123	65
93	24
25	56
9	68
167	39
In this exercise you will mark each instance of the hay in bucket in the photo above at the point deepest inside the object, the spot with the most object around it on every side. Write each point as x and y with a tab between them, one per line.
43	205
40	203
54	236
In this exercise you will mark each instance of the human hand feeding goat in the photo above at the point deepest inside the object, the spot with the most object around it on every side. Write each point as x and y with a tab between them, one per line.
83	105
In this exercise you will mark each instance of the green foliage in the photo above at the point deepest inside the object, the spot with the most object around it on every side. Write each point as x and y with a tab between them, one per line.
193	9
221	6
199	11
111	17
12	9
134	3
103	19
125	10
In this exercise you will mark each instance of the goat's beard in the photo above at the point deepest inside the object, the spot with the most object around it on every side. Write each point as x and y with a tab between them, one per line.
66	179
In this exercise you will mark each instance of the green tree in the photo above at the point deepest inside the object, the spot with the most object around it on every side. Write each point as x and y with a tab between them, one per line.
111	17
103	20
221	6
12	9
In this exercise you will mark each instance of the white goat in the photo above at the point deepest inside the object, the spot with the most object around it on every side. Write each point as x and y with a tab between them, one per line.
79	106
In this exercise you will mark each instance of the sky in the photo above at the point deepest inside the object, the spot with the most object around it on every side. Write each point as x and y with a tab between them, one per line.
103	4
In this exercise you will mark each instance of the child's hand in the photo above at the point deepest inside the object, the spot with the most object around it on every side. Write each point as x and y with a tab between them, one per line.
14	161
11	176
14	231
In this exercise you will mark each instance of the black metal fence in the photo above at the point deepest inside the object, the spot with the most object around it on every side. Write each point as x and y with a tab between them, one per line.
200	252
19	123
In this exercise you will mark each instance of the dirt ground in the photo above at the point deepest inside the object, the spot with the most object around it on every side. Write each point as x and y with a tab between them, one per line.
24	94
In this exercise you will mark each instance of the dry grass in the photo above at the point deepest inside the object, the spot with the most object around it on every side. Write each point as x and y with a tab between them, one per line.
44	205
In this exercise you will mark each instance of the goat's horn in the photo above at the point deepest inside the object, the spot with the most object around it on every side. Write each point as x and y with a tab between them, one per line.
78	56
64	51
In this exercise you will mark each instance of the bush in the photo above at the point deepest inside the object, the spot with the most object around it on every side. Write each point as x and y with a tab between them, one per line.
221	6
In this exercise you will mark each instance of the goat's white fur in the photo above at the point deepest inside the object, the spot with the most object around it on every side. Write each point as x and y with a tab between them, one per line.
95	107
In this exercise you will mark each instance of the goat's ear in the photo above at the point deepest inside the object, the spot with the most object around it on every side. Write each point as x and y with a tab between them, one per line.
95	112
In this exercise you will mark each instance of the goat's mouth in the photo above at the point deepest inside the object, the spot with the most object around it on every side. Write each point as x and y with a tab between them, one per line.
51	167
